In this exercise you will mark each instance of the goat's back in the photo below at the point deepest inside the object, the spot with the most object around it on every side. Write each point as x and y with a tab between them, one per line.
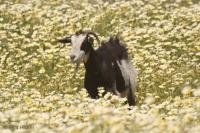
113	49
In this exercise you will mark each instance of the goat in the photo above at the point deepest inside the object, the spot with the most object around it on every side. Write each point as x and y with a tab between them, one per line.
108	66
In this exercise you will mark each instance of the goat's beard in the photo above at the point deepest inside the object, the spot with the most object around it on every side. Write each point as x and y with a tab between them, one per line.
77	66
81	58
76	69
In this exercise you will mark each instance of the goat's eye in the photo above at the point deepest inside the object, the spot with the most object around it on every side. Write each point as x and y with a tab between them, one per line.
86	46
91	40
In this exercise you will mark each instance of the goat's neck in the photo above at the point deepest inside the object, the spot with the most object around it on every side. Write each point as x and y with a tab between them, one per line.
91	65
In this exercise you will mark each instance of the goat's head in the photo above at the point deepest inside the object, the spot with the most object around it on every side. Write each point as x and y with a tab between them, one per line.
82	43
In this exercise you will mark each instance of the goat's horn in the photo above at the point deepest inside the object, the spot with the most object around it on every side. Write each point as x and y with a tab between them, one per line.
94	34
65	40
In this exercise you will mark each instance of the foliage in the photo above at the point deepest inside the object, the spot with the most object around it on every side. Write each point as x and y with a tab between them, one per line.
40	94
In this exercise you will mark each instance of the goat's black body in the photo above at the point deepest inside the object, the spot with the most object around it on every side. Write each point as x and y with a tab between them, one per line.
107	67
102	69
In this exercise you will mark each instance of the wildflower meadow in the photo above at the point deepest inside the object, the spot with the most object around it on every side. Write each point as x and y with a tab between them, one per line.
40	94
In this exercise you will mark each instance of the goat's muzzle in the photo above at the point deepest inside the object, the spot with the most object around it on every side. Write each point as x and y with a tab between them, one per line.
72	57
78	57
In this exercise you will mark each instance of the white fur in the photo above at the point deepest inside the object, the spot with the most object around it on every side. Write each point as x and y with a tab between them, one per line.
129	74
77	41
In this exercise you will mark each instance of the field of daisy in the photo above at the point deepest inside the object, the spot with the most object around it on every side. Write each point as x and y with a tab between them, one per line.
39	94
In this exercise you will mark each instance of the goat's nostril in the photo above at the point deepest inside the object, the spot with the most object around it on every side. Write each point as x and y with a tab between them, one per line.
72	57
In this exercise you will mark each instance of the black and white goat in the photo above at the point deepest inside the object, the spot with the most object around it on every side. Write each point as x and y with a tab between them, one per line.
108	66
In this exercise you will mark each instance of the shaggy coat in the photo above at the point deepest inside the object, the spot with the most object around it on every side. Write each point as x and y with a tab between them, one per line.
108	66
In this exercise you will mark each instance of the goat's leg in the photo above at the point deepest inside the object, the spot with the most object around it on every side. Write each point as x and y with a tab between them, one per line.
113	89
91	88
93	92
130	97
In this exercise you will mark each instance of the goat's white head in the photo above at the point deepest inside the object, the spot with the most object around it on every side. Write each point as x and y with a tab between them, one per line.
81	45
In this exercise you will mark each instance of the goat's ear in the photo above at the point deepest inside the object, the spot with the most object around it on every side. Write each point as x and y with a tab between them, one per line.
65	40
91	40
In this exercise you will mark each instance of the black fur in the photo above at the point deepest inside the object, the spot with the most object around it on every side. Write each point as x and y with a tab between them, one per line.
102	69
